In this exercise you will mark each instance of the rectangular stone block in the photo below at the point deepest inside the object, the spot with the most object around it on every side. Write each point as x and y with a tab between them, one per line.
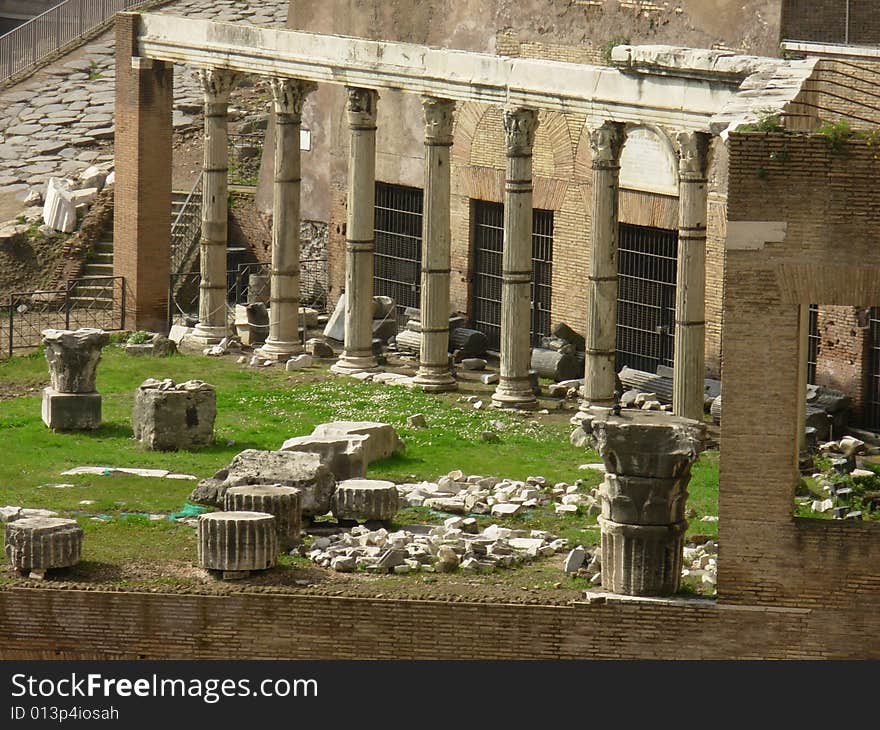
71	411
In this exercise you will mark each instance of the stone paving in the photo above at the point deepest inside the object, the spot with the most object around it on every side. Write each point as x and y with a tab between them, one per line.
60	121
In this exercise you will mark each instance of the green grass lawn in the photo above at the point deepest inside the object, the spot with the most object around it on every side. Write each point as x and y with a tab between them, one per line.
259	409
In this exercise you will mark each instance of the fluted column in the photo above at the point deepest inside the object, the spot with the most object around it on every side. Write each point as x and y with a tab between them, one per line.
606	143
514	385
690	285
357	352
288	95
217	85
434	373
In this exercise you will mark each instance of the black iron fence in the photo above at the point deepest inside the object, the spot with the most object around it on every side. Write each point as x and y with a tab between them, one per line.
93	301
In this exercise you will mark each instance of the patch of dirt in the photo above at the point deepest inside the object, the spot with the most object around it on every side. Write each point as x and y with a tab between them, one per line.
27	262
9	390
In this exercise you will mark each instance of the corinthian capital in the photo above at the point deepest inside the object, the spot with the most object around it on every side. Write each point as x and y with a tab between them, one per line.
439	117
217	84
289	95
606	142
693	148
519	128
361	107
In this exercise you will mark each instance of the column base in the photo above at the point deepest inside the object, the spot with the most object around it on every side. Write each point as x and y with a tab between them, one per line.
348	364
207	335
641	560
278	350
435	381
522	398
71	411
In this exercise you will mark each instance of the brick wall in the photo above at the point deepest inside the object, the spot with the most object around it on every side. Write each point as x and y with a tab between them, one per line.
831	207
842	358
49	624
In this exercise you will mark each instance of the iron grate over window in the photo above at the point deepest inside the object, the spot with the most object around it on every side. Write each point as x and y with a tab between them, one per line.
397	261
488	228
812	343
647	263
873	419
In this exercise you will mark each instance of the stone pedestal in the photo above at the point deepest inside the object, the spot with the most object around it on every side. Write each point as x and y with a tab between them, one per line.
71	403
283	503
648	457
235	543
283	341
212	327
37	544
357	354
434	374
514	383
169	416
363	500
606	143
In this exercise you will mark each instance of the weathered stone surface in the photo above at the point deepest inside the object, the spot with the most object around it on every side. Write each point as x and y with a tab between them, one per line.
365	499
641	560
281	502
71	411
237	541
574	560
643	500
298	362
343	455
290	469
43	543
73	358
169	416
382	440
318	348
59	209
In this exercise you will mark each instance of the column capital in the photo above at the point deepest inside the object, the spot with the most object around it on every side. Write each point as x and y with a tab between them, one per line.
439	118
361	108
606	143
289	95
217	84
519	128
693	150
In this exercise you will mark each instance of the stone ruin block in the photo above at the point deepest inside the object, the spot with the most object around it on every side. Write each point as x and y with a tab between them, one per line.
283	503
364	500
37	544
71	403
382	440
169	416
343	455
235	543
648	457
290	469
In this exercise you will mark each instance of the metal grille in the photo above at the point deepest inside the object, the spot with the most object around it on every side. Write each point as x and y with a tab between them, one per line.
831	21
812	343
92	301
488	244
186	229
873	418
647	261
397	262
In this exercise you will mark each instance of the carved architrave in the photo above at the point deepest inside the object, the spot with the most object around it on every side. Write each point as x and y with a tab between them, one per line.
693	150
217	84
519	129
606	143
361	108
290	95
439	120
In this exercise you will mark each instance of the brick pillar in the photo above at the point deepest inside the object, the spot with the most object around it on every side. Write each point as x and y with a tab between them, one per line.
142	202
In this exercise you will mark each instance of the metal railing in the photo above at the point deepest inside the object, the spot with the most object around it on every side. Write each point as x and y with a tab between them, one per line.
90	301
183	291
187	229
28	44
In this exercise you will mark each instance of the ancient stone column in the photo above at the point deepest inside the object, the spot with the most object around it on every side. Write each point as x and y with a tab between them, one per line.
434	374
606	143
71	402
363	500
357	353
690	285
514	384
283	341
648	457
235	543
217	85
37	544
281	502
